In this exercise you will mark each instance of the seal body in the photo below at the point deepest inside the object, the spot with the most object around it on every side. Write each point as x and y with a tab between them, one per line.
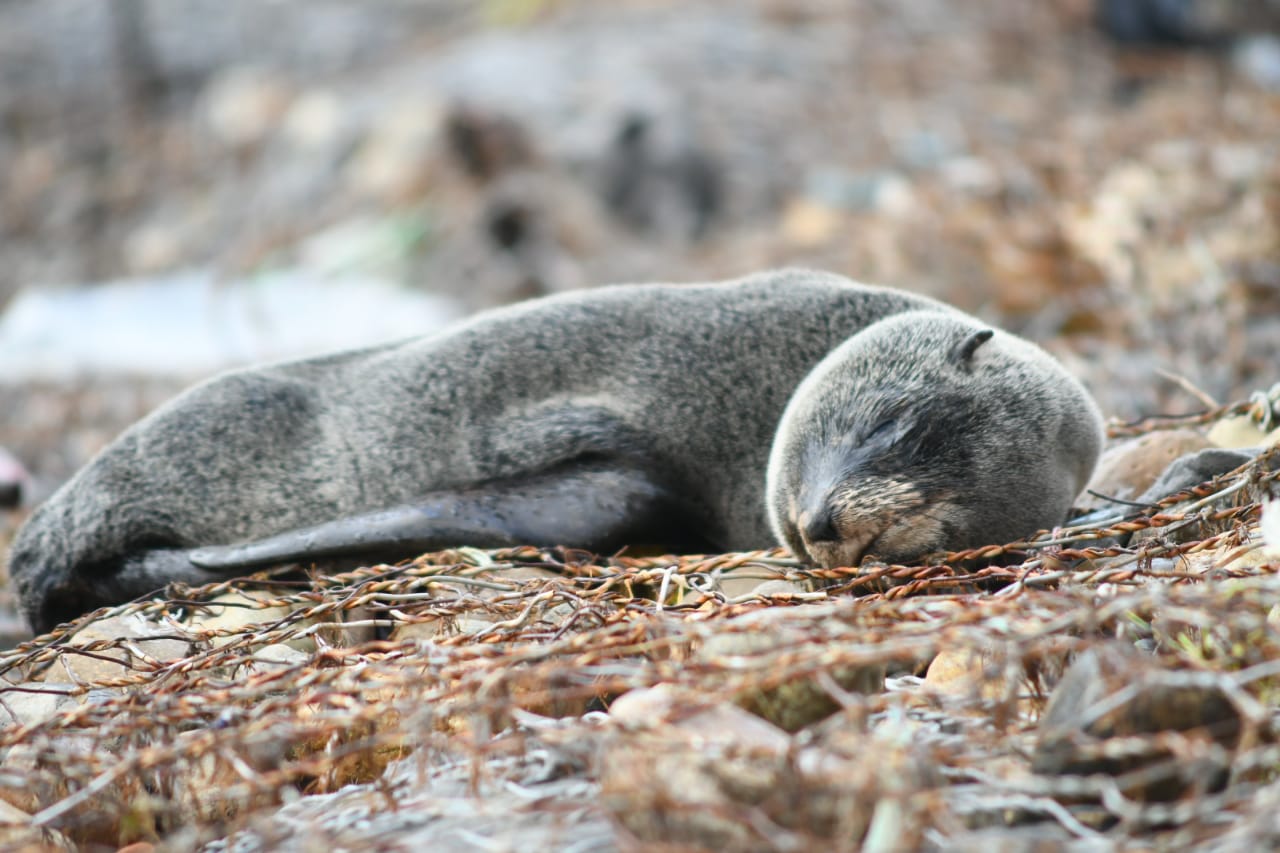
591	419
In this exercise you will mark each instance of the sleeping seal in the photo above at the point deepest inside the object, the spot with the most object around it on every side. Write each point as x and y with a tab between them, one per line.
838	418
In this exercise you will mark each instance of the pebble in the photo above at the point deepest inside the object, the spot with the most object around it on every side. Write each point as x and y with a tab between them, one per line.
1119	692
476	620
117	662
242	105
711	757
16	833
793	704
1241	432
240	613
314	121
395	160
682	770
1131	467
1257	57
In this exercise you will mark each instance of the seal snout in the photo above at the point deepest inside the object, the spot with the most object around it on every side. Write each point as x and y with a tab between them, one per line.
869	515
834	536
821	527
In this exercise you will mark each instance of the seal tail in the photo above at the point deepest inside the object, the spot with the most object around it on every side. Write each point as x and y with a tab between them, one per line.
50	598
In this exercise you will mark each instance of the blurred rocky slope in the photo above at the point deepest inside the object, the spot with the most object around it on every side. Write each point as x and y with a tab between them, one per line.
1117	203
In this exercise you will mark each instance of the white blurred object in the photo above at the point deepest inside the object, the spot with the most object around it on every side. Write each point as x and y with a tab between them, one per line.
1258	58
191	324
1270	526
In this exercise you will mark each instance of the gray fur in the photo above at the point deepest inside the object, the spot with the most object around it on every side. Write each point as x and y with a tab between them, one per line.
938	433
640	413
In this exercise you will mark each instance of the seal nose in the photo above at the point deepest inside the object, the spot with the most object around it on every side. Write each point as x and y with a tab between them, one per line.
821	527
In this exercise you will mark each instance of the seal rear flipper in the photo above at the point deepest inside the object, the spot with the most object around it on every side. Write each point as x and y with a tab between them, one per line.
593	507
1196	468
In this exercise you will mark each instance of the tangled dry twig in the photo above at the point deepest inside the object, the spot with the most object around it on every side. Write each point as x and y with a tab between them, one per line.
243	707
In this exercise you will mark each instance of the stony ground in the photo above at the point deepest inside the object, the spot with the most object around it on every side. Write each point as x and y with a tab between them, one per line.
1119	205
1108	687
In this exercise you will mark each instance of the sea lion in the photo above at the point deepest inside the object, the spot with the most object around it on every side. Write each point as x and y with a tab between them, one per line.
634	413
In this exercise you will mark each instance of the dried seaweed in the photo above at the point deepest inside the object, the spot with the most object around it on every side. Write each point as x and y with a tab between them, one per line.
484	680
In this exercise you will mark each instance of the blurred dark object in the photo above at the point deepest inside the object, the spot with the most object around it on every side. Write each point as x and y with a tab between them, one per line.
487	144
674	189
13	478
140	74
1184	23
1151	22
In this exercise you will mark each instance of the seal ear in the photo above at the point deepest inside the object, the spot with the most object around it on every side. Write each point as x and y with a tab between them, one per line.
962	355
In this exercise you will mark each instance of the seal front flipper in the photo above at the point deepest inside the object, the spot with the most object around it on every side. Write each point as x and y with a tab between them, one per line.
593	507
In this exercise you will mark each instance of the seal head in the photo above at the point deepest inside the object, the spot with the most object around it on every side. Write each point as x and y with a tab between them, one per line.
928	430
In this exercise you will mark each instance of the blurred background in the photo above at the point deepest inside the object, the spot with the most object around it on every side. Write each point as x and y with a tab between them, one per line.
186	185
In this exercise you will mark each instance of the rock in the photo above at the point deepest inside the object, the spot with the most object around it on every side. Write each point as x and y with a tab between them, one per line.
394	163
1041	837
808	224
925	149
1241	432
995	672
31	780
794	704
1118	692
1131	467
17	834
137	847
232	615
13	630
681	771
1237	163
477	620
666	704
964	671
780	587
272	658
429	629
241	106
522	689
314	120
879	192
1187	472
22	708
737	585
1152	22
1269	526
719	758
209	788
1258	58
152	640
972	176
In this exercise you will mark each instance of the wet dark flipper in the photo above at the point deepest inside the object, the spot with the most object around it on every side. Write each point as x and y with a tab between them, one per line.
596	508
1196	468
1182	473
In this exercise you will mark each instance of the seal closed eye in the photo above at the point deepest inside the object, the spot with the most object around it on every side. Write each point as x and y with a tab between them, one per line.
791	406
